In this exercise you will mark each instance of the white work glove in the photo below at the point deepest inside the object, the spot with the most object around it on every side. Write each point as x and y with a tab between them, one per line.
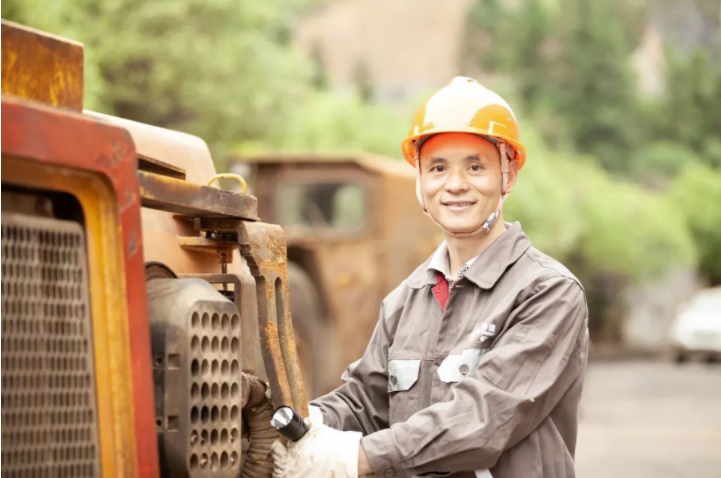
315	414
322	453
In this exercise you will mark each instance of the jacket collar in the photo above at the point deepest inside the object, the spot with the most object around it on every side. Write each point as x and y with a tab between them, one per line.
440	262
488	266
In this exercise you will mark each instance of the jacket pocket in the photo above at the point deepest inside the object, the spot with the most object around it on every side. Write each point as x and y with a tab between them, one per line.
403	396
402	374
456	367
517	360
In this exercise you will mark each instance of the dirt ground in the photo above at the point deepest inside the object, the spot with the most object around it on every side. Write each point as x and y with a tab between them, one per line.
650	419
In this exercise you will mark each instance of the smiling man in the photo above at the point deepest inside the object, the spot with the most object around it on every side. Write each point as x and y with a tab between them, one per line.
476	365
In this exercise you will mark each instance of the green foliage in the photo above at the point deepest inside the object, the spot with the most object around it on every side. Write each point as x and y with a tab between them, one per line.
364	81
697	191
324	121
320	74
569	62
573	210
534	49
486	25
220	69
596	82
657	163
691	112
630	231
569	67
540	201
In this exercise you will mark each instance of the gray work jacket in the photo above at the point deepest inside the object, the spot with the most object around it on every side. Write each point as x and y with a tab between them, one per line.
491	382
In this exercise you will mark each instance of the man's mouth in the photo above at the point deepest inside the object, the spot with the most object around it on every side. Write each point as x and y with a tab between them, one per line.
458	205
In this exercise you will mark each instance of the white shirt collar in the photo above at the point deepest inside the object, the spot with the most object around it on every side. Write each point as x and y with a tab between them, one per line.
440	262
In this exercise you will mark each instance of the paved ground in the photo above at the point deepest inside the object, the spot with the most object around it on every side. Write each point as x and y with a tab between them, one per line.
645	419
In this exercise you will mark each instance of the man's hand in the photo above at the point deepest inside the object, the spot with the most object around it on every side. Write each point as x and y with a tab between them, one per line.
322	453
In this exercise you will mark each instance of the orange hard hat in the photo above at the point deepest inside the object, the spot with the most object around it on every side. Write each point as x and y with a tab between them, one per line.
464	106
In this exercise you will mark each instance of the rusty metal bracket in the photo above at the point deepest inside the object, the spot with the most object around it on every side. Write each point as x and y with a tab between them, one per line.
209	246
181	197
264	248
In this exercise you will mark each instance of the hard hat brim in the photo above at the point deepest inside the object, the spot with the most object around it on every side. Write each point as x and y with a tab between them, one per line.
409	149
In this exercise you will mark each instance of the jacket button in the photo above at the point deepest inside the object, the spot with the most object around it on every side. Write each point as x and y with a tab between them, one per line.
464	369
389	473
393	380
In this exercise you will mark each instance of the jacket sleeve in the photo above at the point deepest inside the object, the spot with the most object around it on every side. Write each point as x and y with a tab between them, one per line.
361	403
515	387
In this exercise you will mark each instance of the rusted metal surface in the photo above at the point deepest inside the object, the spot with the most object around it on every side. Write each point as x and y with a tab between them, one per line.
351	270
222	250
41	67
264	248
39	135
181	151
152	165
188	199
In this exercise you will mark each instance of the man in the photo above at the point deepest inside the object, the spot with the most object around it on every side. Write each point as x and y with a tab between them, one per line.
476	364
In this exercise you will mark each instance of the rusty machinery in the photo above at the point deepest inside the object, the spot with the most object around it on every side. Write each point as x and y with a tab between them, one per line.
136	297
354	232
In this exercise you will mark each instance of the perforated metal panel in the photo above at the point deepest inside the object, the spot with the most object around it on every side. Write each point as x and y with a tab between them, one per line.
215	389
196	344
49	419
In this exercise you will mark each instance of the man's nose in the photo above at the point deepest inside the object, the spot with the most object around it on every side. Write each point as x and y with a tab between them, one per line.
456	183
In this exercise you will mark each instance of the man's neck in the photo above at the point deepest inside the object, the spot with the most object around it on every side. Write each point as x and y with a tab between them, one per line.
463	249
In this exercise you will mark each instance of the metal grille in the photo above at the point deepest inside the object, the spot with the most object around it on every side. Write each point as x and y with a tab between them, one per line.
49	417
215	388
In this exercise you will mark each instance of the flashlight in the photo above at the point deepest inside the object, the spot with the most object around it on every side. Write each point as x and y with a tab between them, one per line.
289	423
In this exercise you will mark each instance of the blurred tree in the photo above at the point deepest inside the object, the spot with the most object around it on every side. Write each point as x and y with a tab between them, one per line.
571	70
657	163
534	53
327	121
220	69
610	233
691	112
320	76
363	81
486	36
698	192
598	88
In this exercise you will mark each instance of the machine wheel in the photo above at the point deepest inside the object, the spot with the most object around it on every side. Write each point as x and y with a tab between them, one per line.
310	334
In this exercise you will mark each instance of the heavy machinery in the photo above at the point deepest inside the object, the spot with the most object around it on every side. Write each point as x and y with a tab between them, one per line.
145	319
355	231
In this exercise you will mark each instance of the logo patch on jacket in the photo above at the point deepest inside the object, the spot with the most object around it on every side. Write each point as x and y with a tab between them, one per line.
483	332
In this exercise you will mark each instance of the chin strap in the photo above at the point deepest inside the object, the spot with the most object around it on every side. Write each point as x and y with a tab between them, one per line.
493	218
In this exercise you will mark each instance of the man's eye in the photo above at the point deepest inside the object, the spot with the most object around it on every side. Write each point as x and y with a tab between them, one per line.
437	169
476	167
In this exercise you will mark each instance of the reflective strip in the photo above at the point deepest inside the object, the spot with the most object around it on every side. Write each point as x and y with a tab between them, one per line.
458	366
483	474
402	374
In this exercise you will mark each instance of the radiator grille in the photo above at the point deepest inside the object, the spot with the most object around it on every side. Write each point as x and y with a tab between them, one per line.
49	418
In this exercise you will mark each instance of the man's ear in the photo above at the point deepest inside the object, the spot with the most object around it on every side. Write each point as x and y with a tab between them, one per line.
512	175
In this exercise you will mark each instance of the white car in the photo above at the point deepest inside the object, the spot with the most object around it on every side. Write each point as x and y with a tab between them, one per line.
697	328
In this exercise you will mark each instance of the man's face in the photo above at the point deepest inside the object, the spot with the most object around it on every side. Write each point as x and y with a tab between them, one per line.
460	180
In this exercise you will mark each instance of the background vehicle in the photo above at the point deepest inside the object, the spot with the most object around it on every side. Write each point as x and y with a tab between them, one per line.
697	328
137	302
355	231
